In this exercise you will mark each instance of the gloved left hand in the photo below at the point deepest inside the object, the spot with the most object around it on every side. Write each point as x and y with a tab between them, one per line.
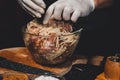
69	10
33	7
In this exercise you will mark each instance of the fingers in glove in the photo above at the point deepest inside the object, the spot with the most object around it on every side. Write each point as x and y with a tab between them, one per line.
49	13
58	12
67	13
33	6
75	15
40	3
31	11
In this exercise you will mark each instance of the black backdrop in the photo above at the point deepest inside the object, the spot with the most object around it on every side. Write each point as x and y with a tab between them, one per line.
100	35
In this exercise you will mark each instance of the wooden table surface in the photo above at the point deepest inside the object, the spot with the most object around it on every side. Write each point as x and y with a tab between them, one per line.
23	56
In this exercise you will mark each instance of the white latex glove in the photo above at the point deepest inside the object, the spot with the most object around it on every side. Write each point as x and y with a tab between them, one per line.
33	7
69	10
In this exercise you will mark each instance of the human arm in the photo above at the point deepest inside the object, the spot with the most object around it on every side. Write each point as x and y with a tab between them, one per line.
73	9
102	3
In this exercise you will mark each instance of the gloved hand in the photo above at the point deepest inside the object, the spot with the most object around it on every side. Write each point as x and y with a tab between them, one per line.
69	10
33	7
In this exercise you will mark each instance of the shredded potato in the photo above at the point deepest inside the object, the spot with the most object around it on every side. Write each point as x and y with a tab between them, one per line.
53	41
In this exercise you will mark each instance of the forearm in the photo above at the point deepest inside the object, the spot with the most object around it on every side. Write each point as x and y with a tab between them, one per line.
102	3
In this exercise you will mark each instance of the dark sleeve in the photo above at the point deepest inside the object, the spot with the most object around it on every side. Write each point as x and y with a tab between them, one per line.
11	22
101	32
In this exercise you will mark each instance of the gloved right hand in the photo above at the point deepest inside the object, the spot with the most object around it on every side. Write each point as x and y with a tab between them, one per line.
69	10
33	7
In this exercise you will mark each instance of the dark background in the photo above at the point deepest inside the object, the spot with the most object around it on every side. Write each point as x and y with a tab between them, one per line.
100	35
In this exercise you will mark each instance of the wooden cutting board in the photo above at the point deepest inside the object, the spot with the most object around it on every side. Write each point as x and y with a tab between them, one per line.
23	56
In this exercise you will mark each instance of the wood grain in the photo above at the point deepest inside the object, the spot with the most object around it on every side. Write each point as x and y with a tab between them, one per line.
22	55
